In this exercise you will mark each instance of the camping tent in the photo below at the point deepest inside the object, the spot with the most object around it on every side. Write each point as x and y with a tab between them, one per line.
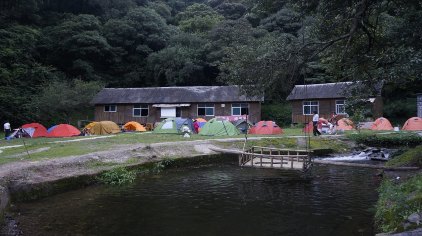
310	127
381	124
90	125
39	129
218	127
134	126
104	127
414	123
266	127
63	130
242	125
201	122
22	133
167	126
182	122
344	124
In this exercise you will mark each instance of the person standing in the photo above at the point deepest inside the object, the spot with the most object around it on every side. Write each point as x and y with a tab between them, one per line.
315	120
7	129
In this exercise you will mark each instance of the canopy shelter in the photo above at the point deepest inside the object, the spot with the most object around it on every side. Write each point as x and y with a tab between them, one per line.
63	130
414	123
266	127
345	124
104	127
39	129
22	133
310	126
242	125
381	124
134	126
219	127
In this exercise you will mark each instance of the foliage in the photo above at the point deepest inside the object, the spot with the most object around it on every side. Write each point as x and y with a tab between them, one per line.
412	157
267	45
62	100
281	113
117	176
402	139
396	202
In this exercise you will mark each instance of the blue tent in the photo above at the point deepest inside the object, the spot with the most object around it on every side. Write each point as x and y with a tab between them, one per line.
51	128
183	121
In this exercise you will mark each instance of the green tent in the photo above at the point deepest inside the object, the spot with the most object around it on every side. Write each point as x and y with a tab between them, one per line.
167	126
219	127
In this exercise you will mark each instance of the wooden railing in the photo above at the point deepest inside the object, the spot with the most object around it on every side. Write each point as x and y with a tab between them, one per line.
278	158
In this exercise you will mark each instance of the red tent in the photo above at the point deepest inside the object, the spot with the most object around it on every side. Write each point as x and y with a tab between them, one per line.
40	130
381	124
266	127
414	123
345	124
63	130
310	126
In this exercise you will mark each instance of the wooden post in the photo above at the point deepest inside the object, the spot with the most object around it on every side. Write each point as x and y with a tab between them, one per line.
281	165
251	159
291	162
240	159
260	159
272	160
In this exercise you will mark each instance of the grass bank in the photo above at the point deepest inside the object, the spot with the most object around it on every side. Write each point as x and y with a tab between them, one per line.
397	203
411	157
391	140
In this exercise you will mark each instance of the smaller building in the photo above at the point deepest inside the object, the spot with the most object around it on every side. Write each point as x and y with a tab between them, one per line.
325	99
150	105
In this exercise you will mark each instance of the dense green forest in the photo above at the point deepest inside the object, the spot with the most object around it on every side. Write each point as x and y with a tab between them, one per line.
55	54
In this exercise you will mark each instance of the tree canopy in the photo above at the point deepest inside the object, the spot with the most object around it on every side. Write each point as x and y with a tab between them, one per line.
267	45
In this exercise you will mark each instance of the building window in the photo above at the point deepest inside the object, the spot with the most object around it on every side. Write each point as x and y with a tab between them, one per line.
239	109
110	108
206	109
340	107
140	110
310	106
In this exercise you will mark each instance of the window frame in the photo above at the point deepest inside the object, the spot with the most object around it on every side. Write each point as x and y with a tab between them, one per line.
310	105
140	108
338	105
205	106
110	105
239	107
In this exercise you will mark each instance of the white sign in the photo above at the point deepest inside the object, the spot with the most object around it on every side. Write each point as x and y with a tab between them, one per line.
167	112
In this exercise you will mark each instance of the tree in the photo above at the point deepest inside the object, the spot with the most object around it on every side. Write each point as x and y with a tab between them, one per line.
63	100
198	18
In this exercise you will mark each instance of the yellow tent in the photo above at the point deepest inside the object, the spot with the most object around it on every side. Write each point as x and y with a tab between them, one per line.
201	120
134	126
90	125
104	127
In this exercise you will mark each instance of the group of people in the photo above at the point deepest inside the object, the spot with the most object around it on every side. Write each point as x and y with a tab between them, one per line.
332	122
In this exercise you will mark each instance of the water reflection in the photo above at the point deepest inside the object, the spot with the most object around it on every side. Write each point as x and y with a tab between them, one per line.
214	200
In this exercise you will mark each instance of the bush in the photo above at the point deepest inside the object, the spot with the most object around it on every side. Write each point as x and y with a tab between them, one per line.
117	176
397	202
387	140
412	157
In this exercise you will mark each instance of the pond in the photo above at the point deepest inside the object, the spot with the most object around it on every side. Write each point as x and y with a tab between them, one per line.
221	199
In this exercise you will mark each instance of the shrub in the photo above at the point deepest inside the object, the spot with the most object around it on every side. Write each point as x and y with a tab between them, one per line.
387	140
397	202
412	157
117	176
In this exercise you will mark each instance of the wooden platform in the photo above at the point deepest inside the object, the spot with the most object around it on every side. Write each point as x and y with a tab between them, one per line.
276	163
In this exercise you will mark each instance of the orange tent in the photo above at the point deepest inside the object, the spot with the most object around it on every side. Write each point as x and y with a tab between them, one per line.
381	124
63	130
345	124
201	120
40	130
266	127
310	126
134	126
414	123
